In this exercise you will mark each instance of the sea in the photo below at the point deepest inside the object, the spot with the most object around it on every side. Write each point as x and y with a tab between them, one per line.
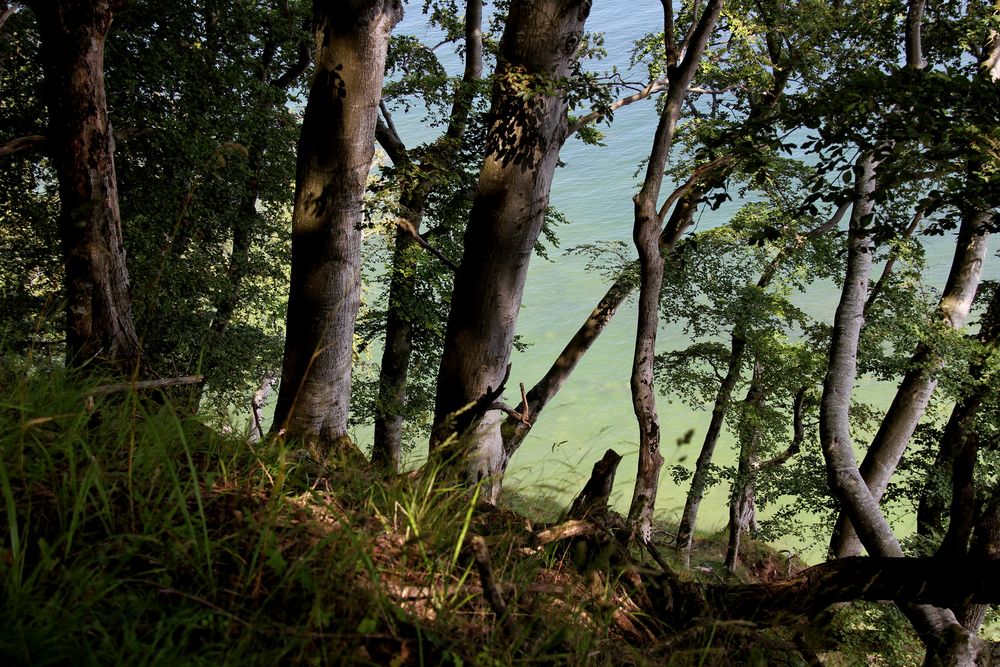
593	411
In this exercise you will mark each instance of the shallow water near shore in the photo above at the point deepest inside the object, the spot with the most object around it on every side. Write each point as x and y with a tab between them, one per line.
593	411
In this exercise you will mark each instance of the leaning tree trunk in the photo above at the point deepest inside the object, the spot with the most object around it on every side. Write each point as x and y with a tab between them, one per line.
944	637
646	234
516	428
955	440
387	448
527	127
334	155
99	326
918	383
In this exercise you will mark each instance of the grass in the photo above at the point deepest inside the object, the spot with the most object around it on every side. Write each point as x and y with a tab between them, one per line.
133	533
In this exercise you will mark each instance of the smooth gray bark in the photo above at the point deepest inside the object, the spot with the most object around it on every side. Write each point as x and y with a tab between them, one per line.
335	152
526	132
918	384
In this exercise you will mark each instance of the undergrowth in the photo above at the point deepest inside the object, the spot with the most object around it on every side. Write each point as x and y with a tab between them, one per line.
133	533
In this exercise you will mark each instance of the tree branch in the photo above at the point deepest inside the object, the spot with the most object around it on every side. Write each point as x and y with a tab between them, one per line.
651	88
296	69
29	142
408	227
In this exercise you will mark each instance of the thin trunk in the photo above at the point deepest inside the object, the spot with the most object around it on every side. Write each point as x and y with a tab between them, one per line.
247	216
99	326
962	516
741	497
687	197
947	642
959	429
522	148
514	430
699	480
702	467
393	373
918	384
985	547
334	156
646	234
835	431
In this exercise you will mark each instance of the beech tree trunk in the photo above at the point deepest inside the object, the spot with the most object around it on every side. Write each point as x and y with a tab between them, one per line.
99	326
646	234
959	430
527	127
514	430
388	444
918	383
947	642
334	155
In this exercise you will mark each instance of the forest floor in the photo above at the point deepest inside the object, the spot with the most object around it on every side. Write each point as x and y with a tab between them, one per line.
131	534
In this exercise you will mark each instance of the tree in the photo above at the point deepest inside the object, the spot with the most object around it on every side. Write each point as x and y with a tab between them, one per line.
334	155
527	126
417	182
99	326
206	182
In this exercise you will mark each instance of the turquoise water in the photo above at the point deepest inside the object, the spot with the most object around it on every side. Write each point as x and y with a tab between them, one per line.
593	411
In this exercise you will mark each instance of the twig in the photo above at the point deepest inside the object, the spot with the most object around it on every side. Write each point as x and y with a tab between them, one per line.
664	565
653	87
490	589
411	231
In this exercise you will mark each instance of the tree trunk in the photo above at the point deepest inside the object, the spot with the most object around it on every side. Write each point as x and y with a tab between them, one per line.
947	642
646	234
526	132
699	480
985	547
99	326
247	217
388	444
741	498
959	429
515	430
918	384
334	155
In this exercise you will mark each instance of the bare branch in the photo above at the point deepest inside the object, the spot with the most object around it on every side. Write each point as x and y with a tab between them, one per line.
651	88
30	142
490	589
296	69
38	142
7	12
410	230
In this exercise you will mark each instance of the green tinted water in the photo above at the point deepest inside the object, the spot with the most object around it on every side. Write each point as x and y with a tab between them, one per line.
593	410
